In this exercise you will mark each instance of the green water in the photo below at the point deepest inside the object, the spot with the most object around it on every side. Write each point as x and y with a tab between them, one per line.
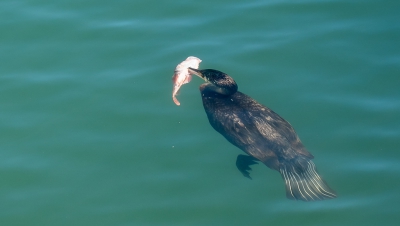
90	135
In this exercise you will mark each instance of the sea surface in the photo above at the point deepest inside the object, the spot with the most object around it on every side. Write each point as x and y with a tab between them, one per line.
89	134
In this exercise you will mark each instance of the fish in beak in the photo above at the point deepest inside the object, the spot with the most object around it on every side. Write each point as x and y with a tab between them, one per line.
182	75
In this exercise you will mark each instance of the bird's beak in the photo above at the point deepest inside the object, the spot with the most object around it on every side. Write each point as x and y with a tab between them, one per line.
196	72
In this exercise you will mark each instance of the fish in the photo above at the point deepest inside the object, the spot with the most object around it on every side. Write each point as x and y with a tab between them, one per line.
182	76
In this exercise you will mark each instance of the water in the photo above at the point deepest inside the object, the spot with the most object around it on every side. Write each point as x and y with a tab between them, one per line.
90	135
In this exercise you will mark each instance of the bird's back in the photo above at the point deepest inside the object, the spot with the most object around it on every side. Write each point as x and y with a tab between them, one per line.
252	127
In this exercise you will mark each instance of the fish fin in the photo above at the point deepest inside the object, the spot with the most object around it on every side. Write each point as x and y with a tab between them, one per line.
303	182
188	79
174	77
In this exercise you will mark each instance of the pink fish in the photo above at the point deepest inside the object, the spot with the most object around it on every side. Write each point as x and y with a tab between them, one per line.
182	76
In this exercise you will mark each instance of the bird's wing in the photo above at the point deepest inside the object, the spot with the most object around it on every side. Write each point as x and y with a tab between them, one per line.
277	131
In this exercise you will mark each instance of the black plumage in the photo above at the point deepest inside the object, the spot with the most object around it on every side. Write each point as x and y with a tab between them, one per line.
262	134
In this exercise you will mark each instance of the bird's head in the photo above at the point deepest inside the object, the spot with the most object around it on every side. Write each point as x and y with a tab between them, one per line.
222	81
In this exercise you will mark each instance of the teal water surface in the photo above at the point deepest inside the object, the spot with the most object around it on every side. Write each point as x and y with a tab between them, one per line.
90	135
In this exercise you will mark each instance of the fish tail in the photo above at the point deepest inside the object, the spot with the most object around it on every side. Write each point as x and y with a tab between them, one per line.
303	182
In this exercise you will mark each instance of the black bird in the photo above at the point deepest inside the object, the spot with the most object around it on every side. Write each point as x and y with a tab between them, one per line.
262	134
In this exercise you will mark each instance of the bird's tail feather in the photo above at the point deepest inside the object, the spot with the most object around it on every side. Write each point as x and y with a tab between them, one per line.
303	182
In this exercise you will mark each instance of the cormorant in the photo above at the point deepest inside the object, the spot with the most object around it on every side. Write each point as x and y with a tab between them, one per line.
262	134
